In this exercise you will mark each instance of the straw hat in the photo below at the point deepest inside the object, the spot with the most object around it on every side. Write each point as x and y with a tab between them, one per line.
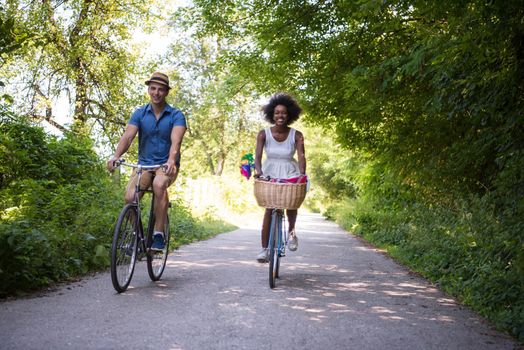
159	78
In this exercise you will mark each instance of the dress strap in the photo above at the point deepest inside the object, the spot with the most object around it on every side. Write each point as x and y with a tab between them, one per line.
291	136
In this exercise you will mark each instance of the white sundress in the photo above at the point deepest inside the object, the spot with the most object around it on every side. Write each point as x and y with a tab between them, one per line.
279	161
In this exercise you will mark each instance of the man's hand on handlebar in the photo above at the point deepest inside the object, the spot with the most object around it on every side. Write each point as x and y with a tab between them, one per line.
113	163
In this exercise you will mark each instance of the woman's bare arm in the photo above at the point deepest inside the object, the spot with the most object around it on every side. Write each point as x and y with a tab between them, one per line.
261	140
301	153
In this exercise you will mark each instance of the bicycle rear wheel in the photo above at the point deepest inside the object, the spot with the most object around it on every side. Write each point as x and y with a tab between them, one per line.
156	260
124	248
274	259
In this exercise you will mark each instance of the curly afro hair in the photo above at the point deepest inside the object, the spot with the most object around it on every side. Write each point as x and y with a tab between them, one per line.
293	109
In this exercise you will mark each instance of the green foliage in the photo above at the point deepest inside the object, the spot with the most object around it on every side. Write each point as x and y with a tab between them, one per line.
14	38
221	196
82	55
329	165
186	228
219	104
433	90
56	208
237	193
9	41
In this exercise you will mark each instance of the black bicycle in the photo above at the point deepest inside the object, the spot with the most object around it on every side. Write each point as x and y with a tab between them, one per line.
130	242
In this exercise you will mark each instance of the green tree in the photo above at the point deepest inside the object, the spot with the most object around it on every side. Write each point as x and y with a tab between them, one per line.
13	40
85	59
222	111
433	89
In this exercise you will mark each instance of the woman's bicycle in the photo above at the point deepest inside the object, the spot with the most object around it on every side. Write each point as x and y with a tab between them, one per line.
130	242
278	197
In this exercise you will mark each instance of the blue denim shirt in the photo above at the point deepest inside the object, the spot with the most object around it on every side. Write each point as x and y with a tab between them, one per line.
154	136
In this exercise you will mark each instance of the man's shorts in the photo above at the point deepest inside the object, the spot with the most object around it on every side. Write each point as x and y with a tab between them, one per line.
147	179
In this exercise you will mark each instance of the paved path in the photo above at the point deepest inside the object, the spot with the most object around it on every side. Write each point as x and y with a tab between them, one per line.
334	293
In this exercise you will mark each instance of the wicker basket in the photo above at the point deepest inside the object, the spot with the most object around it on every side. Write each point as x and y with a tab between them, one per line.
279	195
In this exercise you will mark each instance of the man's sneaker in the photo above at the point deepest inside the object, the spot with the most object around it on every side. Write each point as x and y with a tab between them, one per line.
158	242
262	256
292	244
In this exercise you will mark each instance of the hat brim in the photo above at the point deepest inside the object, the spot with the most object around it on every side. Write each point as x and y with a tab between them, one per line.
158	81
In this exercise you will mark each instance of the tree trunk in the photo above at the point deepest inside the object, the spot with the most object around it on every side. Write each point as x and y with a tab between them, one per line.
80	67
220	166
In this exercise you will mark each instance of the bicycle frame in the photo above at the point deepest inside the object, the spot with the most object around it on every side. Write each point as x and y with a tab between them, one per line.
277	243
279	215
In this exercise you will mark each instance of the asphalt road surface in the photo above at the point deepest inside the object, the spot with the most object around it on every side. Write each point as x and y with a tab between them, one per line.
335	292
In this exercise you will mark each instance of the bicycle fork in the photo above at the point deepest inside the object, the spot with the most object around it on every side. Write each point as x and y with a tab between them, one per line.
141	244
282	236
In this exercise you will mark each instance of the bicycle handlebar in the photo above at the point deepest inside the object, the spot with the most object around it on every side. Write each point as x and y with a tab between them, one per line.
139	166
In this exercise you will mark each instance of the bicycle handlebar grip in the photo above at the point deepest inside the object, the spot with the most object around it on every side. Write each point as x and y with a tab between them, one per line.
118	162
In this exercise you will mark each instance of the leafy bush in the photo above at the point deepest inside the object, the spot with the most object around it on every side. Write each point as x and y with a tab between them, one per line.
56	208
185	228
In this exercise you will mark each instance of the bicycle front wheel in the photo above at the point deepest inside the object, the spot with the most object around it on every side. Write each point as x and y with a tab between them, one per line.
274	259
124	248
279	243
156	260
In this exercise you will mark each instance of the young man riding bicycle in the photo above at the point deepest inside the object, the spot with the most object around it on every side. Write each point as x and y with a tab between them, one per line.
160	129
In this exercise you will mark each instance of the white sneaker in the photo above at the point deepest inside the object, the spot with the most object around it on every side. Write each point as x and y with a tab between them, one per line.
262	256
292	244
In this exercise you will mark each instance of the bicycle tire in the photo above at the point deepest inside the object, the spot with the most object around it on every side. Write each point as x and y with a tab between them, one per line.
156	260
273	249
124	248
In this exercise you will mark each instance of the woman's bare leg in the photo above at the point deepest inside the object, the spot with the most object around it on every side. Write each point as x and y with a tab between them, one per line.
292	219
265	228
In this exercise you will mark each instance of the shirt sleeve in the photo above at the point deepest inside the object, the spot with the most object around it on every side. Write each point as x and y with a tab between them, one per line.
135	118
179	119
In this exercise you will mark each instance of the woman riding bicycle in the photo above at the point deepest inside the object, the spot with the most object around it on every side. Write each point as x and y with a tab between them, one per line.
280	143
